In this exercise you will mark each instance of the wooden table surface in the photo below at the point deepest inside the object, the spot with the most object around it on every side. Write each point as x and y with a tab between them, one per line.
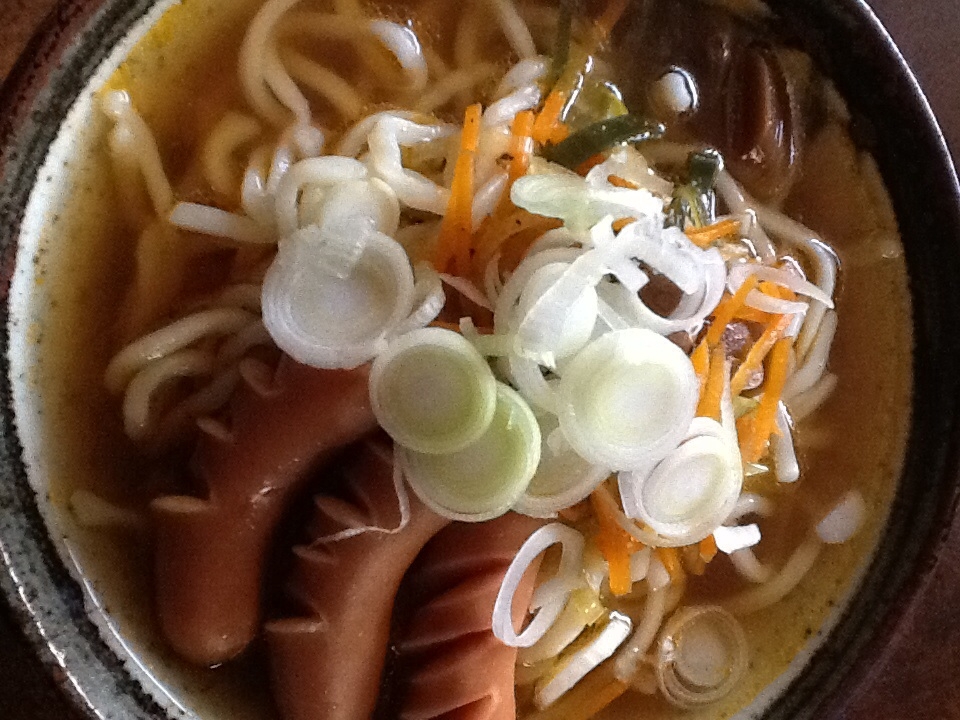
919	677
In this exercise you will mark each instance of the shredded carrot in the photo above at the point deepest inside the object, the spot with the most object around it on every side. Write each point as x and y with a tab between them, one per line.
620	224
520	146
587	698
728	308
694	564
769	288
700	358
762	421
611	16
708	548
620	182
549	126
520	152
590	163
670	557
712	395
457	228
753	315
616	545
704	237
758	352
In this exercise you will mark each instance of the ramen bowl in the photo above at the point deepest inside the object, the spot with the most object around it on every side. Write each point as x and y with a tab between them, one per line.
91	651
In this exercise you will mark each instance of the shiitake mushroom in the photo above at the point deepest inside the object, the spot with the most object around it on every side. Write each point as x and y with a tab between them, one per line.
749	99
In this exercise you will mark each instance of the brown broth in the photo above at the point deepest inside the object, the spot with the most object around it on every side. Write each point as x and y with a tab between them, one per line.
180	82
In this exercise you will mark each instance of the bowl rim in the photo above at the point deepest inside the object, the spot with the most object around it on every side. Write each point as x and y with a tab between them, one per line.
58	52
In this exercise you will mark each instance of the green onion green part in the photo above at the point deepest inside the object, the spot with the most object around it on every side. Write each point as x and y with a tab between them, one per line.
600	136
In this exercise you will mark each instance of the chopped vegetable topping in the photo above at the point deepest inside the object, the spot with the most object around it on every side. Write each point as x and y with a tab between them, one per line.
457	227
616	330
603	135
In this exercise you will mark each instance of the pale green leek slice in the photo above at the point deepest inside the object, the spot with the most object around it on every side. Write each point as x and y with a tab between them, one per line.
432	391
485	479
627	399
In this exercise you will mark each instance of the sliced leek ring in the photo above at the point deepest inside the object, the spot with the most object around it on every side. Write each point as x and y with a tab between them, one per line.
701	655
692	492
627	399
485	479
332	322
563	478
432	391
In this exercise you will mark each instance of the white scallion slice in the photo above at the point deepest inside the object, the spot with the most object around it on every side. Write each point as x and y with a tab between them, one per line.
334	322
563	478
432	391
571	561
486	478
627	399
558	310
701	656
581	662
582	609
692	491
568	197
731	539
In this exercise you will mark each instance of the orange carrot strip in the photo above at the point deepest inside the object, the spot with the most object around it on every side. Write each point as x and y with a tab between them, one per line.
769	288
457	227
762	421
521	150
753	315
590	163
616	545
548	127
587	698
620	182
520	146
670	557
728	308
758	352
620	224
704	237
708	548
694	564
700	358
712	395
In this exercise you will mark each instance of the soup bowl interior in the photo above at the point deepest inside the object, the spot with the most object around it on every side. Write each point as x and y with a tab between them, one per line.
891	119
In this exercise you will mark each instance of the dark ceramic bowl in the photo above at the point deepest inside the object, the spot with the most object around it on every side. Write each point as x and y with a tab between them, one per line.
892	120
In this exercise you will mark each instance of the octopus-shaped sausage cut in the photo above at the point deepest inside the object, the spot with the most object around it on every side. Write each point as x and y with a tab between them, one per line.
210	551
327	662
455	668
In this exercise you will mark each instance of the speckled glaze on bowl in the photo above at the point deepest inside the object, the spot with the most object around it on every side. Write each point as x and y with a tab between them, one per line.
892	119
